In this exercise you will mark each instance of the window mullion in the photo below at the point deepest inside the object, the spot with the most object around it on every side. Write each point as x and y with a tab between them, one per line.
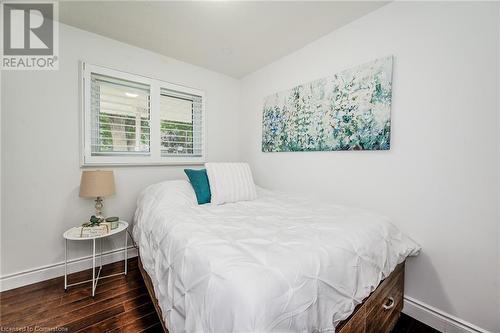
155	139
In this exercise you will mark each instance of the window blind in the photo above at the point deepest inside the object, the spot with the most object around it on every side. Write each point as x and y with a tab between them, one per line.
120	116
180	124
129	119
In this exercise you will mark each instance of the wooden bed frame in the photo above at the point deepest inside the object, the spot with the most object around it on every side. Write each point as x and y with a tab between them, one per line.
378	313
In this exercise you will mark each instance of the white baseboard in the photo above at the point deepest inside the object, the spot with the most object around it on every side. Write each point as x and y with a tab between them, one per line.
437	319
19	279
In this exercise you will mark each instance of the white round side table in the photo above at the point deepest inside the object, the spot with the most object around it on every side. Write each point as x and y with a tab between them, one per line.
73	234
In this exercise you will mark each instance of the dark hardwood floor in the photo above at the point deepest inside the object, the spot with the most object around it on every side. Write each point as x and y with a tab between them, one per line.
121	304
409	325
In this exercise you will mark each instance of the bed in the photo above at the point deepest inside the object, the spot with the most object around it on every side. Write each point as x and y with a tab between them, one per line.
280	263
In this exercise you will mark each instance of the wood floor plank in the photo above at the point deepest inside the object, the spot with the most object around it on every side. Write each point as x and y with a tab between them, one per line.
121	304
122	319
74	293
56	291
156	328
407	324
140	324
93	307
93	318
70	302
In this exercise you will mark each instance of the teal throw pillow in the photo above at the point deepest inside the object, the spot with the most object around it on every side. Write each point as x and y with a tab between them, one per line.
201	186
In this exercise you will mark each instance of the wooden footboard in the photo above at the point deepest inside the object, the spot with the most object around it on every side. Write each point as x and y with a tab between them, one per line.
378	313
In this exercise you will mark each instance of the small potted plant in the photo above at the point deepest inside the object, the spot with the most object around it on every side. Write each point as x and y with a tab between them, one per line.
94	228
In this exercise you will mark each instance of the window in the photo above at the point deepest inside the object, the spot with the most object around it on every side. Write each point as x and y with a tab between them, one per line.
120	116
130	119
180	123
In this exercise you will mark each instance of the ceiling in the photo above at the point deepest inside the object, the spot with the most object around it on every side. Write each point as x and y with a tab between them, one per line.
230	37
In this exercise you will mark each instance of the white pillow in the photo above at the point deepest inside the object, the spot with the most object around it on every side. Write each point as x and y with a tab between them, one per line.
230	182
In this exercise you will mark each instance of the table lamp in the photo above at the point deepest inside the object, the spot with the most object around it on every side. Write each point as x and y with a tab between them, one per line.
97	184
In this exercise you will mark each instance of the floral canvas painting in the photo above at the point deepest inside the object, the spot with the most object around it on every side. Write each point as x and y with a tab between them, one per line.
350	110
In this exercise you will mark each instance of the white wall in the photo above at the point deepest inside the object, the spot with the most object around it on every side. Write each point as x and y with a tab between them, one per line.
439	182
40	145
498	118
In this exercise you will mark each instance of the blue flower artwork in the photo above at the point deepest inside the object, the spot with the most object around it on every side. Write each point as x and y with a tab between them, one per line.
350	110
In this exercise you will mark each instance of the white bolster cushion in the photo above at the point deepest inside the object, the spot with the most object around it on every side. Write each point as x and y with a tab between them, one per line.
230	182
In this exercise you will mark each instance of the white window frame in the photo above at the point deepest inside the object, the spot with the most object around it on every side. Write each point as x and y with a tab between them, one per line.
154	157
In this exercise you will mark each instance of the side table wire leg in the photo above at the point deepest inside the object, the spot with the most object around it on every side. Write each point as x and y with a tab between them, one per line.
65	264
93	267
126	250
100	258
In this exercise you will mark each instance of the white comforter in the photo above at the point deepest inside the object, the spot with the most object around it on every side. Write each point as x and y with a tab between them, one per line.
275	264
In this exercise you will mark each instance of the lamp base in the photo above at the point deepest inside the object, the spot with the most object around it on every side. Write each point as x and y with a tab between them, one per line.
98	208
